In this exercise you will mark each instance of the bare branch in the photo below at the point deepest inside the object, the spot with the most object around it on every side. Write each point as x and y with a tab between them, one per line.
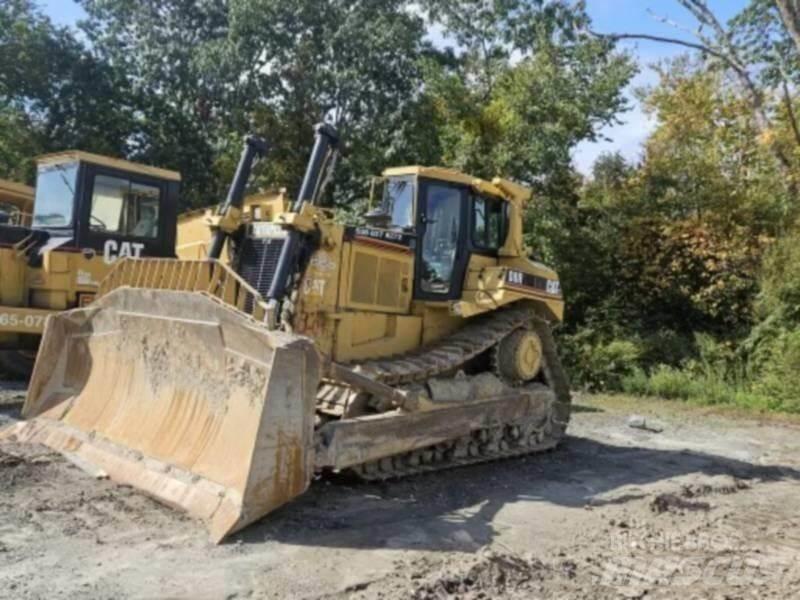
697	33
668	40
704	15
675	24
725	51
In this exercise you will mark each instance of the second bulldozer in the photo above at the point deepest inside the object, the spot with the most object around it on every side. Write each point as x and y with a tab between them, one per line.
418	341
59	240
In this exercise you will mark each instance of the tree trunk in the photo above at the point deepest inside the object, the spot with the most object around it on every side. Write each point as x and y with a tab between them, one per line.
790	15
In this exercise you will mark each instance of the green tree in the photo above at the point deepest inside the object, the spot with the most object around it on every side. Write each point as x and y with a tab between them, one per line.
764	33
180	121
702	208
54	93
355	62
527	86
657	253
206	72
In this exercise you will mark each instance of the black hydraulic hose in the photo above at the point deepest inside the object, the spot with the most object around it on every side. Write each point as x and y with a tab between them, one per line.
254	147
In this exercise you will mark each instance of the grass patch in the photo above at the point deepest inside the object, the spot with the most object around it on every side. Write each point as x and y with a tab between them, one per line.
654	406
702	389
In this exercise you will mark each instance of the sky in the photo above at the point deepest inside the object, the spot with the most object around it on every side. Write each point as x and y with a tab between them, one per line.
639	16
608	16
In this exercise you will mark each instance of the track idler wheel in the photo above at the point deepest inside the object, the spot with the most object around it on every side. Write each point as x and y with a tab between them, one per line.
518	356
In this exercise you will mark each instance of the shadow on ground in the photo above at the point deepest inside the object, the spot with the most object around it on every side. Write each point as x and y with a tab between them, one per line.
12	396
337	512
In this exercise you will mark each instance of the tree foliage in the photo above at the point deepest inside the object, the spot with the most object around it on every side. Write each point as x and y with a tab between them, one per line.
526	87
679	269
54	93
355	62
178	82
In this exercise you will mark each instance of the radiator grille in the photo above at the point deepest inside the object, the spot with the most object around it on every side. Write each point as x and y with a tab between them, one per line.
377	281
365	271
389	283
258	258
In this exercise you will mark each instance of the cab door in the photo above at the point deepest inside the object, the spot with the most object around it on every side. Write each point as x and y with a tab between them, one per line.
127	214
442	250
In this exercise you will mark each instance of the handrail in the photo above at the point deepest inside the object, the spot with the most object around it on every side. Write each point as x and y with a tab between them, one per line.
205	276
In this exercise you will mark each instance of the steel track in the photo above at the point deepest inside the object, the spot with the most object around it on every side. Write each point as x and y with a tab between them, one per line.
447	356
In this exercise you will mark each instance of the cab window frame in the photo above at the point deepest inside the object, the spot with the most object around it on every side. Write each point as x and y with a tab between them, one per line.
124	207
74	208
388	202
462	255
480	246
162	245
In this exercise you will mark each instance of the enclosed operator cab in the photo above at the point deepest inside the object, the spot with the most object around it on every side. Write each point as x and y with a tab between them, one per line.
458	224
438	246
111	207
88	211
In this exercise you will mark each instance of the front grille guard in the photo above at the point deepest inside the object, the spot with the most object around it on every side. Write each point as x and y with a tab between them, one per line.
209	277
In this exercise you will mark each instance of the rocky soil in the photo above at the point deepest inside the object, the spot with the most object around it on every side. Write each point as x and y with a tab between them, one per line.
677	502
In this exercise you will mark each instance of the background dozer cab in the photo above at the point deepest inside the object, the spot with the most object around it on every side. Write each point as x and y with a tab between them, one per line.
16	203
418	341
86	212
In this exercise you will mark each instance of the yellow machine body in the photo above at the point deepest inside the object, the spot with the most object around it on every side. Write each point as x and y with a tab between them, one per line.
195	226
56	247
356	300
398	349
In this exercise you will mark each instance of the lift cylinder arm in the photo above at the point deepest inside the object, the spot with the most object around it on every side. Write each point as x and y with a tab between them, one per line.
325	144
254	147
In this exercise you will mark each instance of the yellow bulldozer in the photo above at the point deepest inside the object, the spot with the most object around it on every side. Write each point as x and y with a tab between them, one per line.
420	340
59	240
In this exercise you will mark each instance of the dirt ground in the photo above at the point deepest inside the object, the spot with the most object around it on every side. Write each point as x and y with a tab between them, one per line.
708	507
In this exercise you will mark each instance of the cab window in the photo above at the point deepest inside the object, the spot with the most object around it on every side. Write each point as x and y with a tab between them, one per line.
440	241
55	195
398	201
124	207
488	223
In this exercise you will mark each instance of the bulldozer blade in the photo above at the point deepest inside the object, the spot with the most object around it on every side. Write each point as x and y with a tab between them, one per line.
182	397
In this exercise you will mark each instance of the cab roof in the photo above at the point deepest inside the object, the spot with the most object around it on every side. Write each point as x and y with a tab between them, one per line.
499	187
106	161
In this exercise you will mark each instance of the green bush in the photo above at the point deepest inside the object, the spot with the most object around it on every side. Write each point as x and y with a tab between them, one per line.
780	281
780	377
666	347
636	383
757	368
599	365
672	383
681	384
